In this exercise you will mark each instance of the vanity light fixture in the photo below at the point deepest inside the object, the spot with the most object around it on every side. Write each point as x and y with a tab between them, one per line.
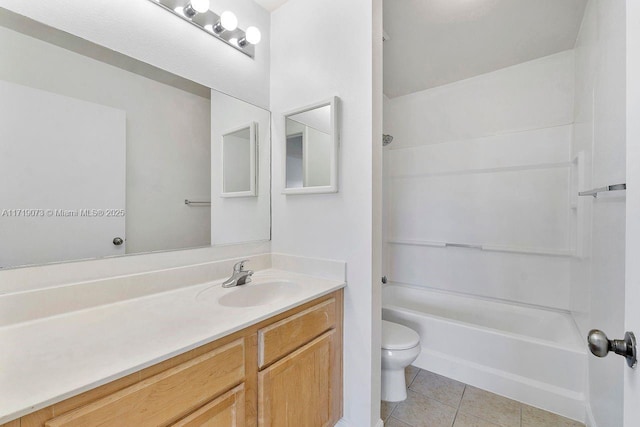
224	27
228	21
196	6
253	36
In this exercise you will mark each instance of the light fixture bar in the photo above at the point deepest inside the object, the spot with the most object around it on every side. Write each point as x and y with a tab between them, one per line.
206	22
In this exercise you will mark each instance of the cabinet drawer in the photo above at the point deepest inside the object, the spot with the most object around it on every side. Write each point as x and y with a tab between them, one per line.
167	396
281	338
226	411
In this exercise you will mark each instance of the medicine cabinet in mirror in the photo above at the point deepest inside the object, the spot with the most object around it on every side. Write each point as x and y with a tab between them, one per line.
311	149
239	162
105	155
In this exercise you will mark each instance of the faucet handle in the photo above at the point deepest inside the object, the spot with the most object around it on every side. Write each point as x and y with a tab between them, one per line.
239	266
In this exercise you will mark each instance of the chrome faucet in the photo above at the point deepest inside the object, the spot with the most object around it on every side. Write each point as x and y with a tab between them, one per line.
239	277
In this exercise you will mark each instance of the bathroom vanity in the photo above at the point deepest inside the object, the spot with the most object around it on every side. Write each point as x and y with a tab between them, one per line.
277	361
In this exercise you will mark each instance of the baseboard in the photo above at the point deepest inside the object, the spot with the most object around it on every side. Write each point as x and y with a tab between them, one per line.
541	395
343	423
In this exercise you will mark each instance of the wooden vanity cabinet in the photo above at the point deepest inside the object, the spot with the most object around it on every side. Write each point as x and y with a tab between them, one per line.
285	371
301	361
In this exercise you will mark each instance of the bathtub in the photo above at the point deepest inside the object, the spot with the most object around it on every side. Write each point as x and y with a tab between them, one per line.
529	354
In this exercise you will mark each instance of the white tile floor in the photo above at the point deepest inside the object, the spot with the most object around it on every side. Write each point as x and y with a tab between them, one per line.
437	401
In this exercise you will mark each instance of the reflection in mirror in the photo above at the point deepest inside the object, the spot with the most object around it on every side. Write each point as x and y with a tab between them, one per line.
311	149
235	217
239	162
99	151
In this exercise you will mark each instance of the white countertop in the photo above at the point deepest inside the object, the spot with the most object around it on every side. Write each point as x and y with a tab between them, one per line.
47	360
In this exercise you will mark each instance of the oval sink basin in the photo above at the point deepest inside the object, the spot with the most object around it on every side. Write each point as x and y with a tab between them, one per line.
255	294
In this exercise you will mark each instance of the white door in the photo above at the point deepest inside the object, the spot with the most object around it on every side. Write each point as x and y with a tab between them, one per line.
632	279
62	166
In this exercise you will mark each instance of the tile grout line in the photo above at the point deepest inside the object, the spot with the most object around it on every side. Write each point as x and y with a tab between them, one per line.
459	404
520	414
391	413
435	399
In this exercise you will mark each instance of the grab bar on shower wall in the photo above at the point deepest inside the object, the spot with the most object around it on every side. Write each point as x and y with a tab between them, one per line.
595	191
463	245
489	248
193	202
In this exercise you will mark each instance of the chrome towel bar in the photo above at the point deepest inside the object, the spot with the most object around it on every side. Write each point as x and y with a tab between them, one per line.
595	191
193	202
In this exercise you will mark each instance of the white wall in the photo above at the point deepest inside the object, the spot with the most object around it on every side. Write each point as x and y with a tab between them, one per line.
240	219
598	277
484	161
146	32
320	49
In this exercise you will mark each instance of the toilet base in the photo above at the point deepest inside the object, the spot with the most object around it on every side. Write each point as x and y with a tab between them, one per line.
394	386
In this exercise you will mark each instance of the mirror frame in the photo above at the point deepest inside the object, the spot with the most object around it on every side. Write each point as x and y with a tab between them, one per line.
253	162
333	178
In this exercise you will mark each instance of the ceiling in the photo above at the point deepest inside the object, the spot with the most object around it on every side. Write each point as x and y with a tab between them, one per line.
435	42
271	5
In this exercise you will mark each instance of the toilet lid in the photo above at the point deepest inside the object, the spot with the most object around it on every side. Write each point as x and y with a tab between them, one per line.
398	337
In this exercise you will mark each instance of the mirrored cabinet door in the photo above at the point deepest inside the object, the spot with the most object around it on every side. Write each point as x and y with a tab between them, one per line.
239	162
311	149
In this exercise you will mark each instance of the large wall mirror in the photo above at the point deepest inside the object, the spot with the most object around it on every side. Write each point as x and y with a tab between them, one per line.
103	155
311	149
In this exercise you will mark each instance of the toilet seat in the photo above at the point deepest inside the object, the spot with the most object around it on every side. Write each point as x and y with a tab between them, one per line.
398	337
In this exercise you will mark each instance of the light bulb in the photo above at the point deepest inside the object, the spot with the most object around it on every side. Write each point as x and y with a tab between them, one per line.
253	35
228	20
200	6
209	28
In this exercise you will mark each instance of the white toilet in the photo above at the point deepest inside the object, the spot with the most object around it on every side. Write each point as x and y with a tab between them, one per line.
400	347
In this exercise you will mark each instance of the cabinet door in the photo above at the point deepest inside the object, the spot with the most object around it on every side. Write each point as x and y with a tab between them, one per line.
303	389
225	411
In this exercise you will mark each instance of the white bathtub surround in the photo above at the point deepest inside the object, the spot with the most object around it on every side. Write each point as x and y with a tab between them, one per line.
128	332
533	95
529	354
485	162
